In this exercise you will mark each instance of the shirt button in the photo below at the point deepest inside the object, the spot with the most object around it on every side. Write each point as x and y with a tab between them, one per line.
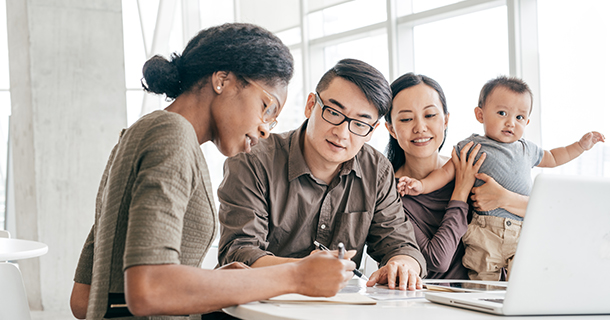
508	223
323	227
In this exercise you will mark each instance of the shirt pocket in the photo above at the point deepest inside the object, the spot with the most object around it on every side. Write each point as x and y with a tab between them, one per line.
352	228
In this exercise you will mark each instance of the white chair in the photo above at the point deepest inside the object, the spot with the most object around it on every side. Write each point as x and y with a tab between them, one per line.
13	299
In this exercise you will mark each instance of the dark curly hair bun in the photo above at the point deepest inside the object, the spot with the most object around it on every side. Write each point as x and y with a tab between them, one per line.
162	76
244	49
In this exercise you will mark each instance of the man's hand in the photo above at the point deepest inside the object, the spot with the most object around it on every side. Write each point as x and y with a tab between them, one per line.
402	269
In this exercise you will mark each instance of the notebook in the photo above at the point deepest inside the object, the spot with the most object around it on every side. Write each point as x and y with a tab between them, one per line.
339	298
562	262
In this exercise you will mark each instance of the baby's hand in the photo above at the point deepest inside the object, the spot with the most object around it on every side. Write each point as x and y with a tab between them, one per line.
409	186
590	139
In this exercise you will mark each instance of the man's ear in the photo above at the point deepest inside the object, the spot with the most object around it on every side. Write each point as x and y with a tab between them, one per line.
478	112
370	135
311	103
390	129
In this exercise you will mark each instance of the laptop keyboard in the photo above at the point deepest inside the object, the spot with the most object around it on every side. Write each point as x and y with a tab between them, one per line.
498	300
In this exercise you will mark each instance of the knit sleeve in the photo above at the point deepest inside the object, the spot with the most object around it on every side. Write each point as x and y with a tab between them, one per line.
165	170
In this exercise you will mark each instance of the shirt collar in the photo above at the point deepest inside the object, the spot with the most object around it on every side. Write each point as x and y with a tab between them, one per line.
296	162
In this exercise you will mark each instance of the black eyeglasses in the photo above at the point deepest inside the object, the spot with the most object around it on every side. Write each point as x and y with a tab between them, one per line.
334	117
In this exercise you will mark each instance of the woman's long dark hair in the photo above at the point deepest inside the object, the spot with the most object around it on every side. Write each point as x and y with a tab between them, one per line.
395	153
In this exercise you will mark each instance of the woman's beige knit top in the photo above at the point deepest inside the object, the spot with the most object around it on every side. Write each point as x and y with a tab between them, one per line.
154	206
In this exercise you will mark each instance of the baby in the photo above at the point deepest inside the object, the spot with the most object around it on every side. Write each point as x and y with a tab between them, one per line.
504	108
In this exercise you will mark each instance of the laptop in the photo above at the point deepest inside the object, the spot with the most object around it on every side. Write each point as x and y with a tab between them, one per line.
562	262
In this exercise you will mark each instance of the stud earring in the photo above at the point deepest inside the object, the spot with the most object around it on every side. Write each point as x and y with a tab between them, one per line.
218	88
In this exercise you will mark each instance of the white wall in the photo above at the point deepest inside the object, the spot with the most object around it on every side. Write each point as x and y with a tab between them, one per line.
68	106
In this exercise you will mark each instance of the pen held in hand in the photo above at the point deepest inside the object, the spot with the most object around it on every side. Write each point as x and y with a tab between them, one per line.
356	271
341	250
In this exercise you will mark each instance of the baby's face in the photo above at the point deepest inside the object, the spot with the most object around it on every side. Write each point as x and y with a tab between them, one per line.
505	114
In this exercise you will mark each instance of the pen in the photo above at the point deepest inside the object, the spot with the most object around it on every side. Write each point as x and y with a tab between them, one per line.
356	271
341	248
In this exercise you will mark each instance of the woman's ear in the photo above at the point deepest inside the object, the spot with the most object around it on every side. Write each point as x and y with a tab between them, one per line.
447	120
390	129
218	79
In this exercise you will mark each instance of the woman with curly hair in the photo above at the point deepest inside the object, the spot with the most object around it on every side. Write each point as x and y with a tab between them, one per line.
155	217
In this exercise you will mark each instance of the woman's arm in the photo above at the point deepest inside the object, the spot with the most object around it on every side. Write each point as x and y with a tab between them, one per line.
440	248
178	290
492	195
79	300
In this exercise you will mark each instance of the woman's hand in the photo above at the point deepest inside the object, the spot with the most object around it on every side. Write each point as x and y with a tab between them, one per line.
465	170
491	195
323	275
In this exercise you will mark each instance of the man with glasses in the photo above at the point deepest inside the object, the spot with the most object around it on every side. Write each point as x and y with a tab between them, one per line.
322	183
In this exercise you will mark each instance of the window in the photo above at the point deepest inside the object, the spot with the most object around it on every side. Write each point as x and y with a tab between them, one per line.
461	54
461	44
346	16
574	41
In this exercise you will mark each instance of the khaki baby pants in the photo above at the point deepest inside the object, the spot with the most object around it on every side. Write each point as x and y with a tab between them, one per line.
491	243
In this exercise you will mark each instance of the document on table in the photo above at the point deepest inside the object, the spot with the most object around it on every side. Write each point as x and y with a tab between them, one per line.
382	292
340	298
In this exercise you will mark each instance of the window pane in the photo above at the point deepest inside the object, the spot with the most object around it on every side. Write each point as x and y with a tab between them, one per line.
346	16
133	43
463	53
372	50
223	12
404	8
5	109
315	5
290	36
134	105
574	64
293	112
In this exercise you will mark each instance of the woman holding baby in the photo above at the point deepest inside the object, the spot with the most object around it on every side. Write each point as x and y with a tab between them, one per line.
417	123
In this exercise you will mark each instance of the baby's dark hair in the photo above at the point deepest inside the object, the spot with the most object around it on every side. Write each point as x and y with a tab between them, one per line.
244	49
513	84
369	80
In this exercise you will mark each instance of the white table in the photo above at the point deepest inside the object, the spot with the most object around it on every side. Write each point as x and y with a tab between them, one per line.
417	308
16	249
13	298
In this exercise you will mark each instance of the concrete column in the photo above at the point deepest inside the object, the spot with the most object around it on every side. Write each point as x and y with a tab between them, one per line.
68	106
